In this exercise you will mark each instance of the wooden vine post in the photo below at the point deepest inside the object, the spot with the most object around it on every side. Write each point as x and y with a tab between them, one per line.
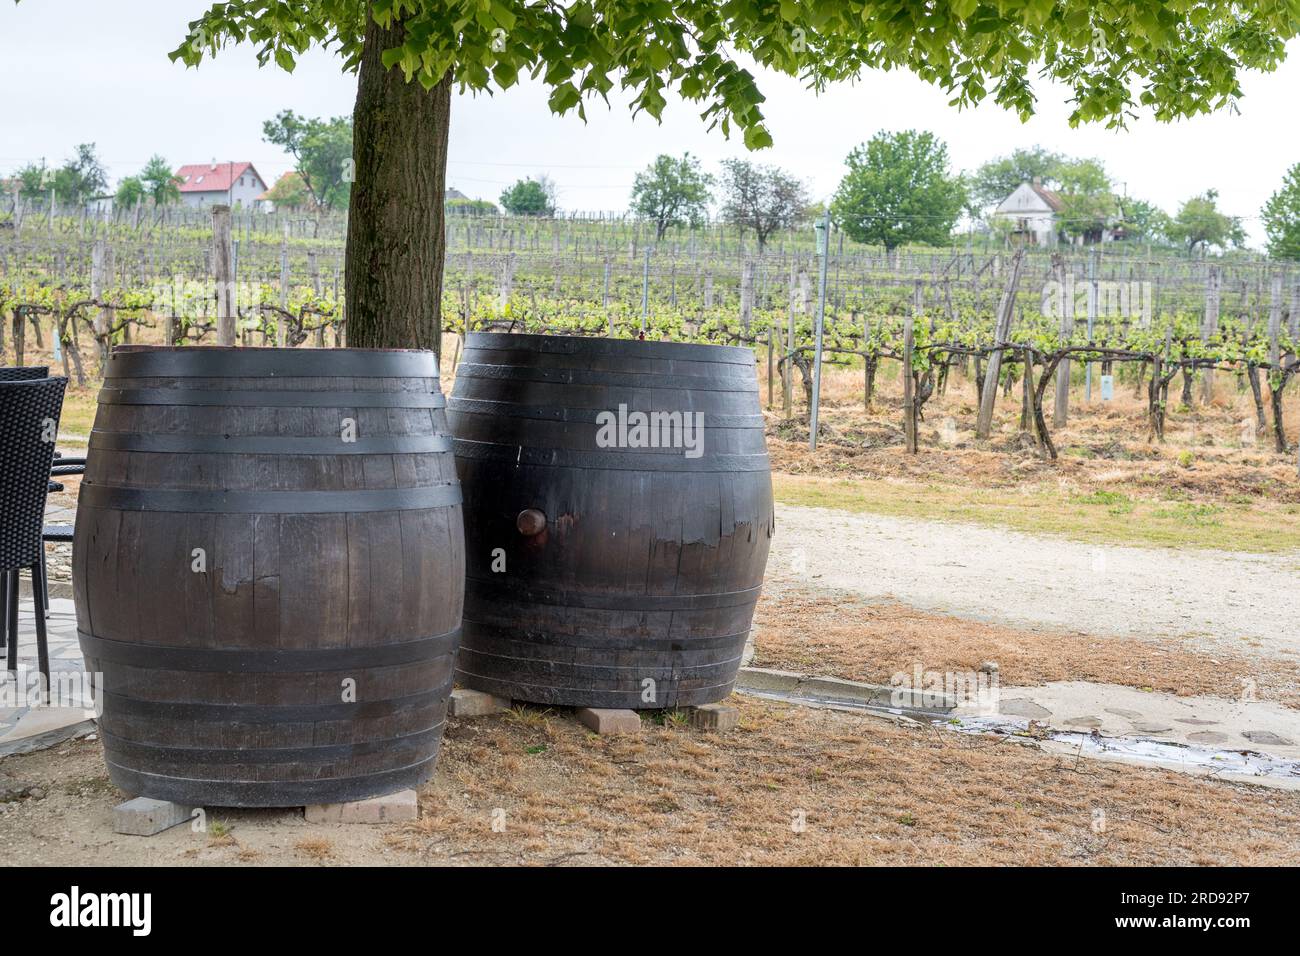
1065	296
1001	333
280	330
747	295
101	277
1276	378
223	269
909	386
1210	325
787	363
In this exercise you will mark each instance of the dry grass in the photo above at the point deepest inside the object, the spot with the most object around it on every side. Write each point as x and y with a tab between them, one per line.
840	636
870	793
318	849
1207	452
868	790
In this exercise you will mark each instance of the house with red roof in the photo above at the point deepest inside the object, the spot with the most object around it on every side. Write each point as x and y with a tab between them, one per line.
230	183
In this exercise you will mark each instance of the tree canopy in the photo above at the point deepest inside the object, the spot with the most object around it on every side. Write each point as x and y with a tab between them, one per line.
160	183
130	192
289	192
1282	218
80	178
898	189
322	150
1174	57
672	192
1200	223
1144	221
761	198
1088	203
530	197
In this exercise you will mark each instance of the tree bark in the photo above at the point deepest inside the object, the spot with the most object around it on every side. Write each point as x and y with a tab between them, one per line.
396	241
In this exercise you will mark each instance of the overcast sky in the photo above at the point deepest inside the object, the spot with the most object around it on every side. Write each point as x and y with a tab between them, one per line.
74	71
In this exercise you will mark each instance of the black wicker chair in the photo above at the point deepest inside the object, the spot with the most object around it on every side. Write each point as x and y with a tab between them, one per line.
29	420
23	373
58	533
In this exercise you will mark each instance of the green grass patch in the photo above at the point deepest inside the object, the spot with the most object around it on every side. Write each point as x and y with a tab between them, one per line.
1115	502
78	416
1102	517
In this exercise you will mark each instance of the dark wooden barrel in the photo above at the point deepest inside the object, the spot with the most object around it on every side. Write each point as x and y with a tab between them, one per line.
268	571
608	576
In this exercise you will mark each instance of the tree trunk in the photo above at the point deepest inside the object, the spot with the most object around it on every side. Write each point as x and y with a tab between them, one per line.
396	242
1252	375
1279	429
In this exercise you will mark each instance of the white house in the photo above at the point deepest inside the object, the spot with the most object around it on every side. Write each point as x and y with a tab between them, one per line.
234	184
1031	210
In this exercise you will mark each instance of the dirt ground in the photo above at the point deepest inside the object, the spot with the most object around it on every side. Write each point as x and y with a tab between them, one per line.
842	635
1220	601
789	786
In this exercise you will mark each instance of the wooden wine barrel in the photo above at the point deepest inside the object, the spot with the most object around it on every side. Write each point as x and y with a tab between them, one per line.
269	570
599	575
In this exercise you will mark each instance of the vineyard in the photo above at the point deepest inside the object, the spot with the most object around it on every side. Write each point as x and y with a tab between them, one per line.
1028	327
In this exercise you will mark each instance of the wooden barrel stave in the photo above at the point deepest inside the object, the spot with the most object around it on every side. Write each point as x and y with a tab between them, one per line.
650	563
342	562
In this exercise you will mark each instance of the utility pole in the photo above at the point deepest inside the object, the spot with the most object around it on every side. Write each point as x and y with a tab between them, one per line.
823	253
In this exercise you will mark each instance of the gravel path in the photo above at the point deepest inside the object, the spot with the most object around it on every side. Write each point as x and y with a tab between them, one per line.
1242	602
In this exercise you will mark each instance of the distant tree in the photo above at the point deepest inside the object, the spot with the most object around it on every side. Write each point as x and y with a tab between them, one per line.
764	199
1143	221
81	177
1282	218
161	184
322	150
898	189
290	192
672	192
34	181
471	207
1200	223
130	192
998	178
1088	204
530	197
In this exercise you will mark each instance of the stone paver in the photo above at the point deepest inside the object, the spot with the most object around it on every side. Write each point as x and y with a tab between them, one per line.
1116	711
475	703
25	724
144	816
399	807
604	720
717	717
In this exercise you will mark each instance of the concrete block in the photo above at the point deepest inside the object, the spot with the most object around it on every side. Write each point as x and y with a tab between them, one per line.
767	678
606	721
719	717
399	807
144	816
838	688
475	703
